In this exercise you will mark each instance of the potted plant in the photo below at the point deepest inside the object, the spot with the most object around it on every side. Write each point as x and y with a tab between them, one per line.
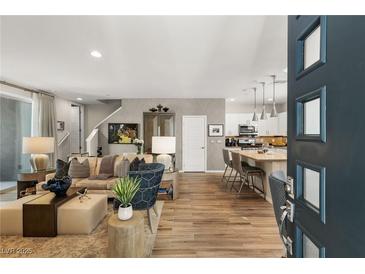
124	191
138	143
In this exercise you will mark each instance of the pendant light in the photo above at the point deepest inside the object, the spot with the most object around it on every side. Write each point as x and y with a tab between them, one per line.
274	113
263	113
255	117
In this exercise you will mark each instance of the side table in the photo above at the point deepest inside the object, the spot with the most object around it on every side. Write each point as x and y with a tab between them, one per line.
28	178
170	183
39	175
126	238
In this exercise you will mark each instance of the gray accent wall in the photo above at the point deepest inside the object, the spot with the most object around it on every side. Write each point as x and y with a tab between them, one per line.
132	112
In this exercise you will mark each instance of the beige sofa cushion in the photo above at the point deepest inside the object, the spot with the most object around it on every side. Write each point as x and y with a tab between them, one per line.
117	164
92	163
148	158
79	169
96	184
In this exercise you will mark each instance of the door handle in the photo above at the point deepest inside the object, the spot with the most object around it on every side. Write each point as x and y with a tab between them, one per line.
289	186
202	147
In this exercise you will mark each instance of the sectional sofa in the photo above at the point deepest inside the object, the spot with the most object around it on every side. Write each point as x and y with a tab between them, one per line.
100	186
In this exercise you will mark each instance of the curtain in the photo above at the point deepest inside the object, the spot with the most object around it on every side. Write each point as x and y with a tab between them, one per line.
44	120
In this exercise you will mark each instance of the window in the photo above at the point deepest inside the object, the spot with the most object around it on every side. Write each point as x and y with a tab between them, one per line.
312	48
15	123
310	250
311	116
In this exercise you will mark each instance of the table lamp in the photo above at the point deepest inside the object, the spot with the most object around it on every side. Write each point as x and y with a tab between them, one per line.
38	147
164	146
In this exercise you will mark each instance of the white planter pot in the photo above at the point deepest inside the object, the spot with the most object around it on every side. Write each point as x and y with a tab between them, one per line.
125	213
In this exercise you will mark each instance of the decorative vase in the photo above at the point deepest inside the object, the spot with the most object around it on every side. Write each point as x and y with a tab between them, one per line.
125	213
58	186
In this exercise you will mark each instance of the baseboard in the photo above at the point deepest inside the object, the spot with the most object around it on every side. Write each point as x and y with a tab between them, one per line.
207	171
214	171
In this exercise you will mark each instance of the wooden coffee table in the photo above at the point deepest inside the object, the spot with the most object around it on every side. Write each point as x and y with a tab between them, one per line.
40	214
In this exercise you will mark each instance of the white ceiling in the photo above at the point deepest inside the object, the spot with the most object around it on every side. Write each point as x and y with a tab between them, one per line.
144	56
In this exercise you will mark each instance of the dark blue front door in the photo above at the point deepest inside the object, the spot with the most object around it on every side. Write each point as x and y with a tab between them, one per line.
326	134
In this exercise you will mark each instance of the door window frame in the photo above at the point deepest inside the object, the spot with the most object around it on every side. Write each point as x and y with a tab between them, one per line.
299	231
318	21
300	101
299	189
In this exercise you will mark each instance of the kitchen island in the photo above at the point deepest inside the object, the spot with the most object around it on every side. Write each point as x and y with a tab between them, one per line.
273	160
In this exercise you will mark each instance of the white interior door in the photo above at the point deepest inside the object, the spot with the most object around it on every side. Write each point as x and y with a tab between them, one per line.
194	143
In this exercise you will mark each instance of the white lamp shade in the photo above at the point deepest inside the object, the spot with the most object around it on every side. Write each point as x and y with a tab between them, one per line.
163	144
38	145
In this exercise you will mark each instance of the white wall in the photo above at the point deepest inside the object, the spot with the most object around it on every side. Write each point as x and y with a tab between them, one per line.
63	111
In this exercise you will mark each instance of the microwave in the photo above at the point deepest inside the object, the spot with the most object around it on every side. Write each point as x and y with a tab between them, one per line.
244	130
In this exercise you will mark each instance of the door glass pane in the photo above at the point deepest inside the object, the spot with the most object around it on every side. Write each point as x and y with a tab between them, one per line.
312	45
310	250
312	117
311	186
15	123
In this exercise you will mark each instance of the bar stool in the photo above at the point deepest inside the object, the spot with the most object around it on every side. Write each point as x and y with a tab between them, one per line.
246	173
228	163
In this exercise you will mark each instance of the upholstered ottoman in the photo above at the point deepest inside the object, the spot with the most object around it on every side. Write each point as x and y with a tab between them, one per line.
11	216
75	217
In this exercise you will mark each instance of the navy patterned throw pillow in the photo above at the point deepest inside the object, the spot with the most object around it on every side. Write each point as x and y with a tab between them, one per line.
134	165
61	169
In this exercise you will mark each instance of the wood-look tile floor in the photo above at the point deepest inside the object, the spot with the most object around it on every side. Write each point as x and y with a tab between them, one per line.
208	221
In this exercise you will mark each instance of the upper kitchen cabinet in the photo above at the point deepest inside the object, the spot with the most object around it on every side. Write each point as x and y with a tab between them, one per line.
273	126
283	123
235	119
269	127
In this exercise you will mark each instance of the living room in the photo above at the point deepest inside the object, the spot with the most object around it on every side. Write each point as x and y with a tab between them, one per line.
170	136
95	138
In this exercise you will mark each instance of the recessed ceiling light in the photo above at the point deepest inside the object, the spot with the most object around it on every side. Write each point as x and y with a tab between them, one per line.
285	70
79	99
96	54
269	99
232	99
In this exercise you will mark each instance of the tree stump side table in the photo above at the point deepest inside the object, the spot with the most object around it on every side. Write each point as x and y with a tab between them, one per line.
126	238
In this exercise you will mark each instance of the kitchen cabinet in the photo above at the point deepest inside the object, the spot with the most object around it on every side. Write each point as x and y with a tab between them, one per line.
271	126
235	119
283	123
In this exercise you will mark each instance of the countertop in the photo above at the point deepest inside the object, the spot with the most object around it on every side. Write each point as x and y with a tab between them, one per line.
261	157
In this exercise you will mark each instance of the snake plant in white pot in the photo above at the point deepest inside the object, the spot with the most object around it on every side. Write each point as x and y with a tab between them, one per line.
124	191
